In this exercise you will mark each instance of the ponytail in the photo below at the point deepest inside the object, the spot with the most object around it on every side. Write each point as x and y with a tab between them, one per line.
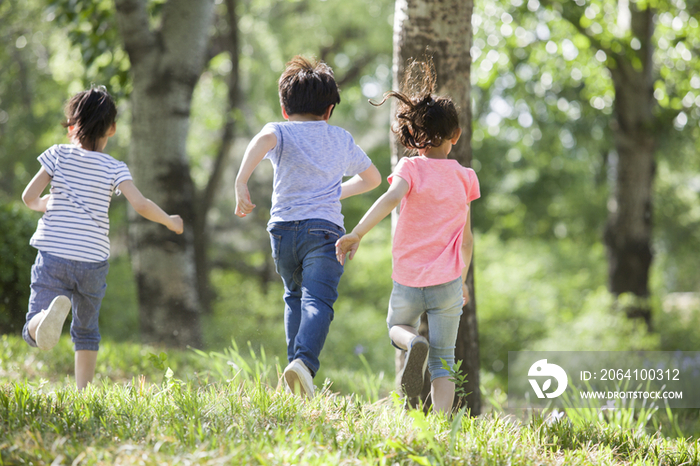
422	119
92	112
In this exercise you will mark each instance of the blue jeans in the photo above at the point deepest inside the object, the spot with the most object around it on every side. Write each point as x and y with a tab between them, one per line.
84	283
443	304
304	254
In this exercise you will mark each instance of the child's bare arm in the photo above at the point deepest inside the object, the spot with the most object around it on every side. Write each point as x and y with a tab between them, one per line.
261	144
348	244
467	249
32	197
361	183
149	209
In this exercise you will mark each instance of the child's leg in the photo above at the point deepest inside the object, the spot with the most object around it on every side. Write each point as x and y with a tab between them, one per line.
406	305
444	311
405	308
288	266
442	391
304	254
48	281
292	315
85	362
91	285
49	323
402	335
34	323
321	274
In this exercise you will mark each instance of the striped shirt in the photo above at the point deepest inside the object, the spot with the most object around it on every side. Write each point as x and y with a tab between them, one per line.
76	223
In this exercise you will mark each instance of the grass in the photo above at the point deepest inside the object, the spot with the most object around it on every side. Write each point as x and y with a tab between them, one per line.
191	407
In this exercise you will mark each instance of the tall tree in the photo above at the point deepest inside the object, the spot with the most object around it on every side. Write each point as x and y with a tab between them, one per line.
166	62
224	41
603	86
443	30
627	45
629	228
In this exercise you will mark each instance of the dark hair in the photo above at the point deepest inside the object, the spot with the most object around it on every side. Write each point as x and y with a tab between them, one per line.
92	112
423	120
307	87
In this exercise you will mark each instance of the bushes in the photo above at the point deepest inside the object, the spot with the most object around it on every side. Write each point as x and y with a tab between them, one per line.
17	224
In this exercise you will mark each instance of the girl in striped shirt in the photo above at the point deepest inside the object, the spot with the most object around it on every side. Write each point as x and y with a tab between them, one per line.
72	237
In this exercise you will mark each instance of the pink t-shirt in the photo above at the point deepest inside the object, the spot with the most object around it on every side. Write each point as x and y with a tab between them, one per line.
428	237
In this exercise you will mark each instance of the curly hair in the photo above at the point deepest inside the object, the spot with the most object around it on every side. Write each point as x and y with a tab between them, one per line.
423	120
307	87
92	112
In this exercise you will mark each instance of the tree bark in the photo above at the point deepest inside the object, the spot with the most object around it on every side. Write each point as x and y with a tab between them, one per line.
443	31
629	227
166	63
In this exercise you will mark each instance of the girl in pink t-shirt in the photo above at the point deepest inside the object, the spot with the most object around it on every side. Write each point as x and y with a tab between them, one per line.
432	244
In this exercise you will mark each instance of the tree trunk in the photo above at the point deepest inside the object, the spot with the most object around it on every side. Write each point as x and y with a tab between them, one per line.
227	42
628	230
166	64
443	31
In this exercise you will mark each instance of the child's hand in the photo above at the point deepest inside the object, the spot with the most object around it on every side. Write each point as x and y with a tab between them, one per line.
243	204
176	224
347	246
465	294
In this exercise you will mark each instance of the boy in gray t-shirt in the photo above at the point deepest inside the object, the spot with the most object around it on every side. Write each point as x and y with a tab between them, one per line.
310	159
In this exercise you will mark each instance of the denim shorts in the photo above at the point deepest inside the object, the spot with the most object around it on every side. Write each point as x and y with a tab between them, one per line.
84	283
443	305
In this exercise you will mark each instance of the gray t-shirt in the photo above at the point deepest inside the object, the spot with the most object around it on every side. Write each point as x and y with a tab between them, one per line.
310	160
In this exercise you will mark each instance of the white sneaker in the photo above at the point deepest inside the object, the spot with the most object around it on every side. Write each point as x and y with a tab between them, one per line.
414	368
298	378
49	330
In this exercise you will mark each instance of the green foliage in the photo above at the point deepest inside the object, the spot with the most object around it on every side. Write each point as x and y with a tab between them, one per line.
527	290
678	218
543	116
245	311
539	146
677	324
17	224
119	317
198	415
534	295
602	325
31	91
353	37
457	377
158	360
530	295
542	140
92	27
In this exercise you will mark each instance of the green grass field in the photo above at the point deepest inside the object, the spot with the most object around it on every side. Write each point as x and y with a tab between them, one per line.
187	407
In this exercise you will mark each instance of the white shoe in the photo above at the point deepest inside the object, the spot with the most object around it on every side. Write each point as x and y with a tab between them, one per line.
49	330
414	368
298	378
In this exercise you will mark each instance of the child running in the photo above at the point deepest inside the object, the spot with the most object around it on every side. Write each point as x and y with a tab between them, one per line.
310	159
72	236
432	244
